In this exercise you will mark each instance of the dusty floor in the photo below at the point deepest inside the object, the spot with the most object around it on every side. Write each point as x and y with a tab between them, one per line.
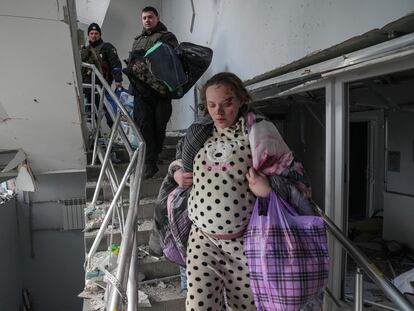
389	257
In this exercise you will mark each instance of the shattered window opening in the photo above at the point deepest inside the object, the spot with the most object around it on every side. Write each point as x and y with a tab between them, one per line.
7	190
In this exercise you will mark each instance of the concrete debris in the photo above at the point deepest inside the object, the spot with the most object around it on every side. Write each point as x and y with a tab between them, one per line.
92	212
93	224
95	216
97	305
145	225
143	252
390	257
161	285
102	260
143	300
161	291
92	291
6	195
405	282
96	260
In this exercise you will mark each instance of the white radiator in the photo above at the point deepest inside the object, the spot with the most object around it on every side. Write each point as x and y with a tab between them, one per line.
73	214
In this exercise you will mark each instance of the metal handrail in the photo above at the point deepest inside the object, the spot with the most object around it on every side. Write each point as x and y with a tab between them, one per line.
365	264
111	175
134	170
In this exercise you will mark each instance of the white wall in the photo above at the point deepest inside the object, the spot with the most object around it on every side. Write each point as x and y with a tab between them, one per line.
39	110
401	139
255	36
10	260
398	218
54	275
399	208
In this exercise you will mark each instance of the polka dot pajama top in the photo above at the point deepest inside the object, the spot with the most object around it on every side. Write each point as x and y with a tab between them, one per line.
220	203
220	200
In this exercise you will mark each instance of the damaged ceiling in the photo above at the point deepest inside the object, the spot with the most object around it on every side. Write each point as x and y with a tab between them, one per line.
38	96
400	27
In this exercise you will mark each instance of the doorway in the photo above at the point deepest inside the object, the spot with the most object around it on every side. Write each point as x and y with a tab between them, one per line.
358	170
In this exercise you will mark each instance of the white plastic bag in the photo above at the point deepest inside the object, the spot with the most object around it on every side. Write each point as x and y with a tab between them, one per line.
127	100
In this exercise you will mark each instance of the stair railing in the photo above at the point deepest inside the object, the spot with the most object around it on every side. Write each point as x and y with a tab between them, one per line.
363	263
121	288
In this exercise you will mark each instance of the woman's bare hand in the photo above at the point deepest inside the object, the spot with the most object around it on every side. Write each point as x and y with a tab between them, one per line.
183	179
258	183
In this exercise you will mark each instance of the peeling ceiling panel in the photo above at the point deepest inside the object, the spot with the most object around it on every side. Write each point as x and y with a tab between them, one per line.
90	11
39	109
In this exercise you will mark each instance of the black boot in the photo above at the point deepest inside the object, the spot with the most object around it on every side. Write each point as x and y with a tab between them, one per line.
150	170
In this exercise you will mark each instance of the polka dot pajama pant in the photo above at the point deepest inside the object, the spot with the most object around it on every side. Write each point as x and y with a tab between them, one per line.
216	268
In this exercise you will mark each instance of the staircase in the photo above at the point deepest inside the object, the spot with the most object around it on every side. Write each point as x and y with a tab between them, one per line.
159	282
120	274
127	275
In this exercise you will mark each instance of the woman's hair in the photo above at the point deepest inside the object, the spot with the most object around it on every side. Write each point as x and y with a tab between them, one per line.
225	78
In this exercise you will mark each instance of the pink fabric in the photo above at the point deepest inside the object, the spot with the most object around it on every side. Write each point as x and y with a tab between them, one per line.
270	154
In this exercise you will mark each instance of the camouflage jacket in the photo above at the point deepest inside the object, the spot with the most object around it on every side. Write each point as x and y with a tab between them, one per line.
148	38
145	41
104	56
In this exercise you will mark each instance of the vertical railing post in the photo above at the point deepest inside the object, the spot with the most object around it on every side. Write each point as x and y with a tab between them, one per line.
93	107
105	163
125	276
132	291
359	290
98	125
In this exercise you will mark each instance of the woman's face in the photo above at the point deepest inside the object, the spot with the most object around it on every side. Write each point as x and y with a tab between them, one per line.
222	104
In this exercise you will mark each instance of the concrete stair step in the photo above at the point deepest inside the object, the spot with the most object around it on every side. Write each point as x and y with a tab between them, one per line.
144	230
156	268
145	210
147	207
149	188
90	236
167	153
164	296
172	138
92	171
105	194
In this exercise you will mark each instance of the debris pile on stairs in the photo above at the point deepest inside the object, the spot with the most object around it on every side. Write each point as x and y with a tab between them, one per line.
158	279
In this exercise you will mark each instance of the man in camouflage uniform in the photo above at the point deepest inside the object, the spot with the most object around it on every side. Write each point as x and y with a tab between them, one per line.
104	56
152	106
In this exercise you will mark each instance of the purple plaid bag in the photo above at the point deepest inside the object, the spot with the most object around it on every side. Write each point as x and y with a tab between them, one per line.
170	249
180	224
287	256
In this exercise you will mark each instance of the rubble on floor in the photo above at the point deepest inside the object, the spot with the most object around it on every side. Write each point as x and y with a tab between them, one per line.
144	225
391	257
405	282
163	290
95	215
